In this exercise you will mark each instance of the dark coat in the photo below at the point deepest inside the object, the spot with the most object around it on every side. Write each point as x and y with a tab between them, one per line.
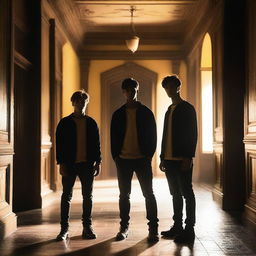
66	140
146	130
184	131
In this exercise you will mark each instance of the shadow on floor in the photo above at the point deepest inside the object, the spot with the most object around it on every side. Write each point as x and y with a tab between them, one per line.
31	249
135	249
104	248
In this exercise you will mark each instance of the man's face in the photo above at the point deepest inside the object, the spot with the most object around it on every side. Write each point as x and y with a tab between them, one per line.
171	89
130	93
80	104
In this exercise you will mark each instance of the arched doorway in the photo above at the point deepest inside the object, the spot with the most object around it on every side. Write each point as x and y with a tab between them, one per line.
112	99
206	162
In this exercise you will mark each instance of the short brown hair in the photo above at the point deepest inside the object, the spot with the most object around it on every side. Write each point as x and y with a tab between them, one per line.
174	79
81	94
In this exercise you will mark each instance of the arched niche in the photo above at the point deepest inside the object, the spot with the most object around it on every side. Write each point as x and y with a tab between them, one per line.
112	98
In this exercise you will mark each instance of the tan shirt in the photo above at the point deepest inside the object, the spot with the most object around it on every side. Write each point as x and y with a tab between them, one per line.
130	149
168	154
81	154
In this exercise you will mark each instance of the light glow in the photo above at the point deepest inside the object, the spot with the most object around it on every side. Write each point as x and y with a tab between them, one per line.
207	112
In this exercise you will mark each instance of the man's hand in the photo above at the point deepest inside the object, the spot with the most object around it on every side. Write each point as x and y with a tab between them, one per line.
186	164
96	169
162	167
63	170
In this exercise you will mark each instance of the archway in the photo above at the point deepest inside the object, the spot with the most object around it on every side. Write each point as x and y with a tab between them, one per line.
206	164
112	99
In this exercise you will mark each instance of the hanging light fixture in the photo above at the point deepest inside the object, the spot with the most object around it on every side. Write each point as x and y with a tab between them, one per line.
133	42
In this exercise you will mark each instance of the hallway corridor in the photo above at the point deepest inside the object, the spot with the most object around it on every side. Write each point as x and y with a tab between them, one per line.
217	233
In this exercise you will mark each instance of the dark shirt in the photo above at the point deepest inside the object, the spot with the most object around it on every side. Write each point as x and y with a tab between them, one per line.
184	131
66	140
146	130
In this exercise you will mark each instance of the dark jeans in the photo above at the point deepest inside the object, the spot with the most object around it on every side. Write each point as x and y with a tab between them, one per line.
85	173
142	168
180	185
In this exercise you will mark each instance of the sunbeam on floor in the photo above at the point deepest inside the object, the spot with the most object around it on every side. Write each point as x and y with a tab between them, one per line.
217	233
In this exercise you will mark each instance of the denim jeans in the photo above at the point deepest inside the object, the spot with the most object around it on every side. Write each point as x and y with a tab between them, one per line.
86	175
180	185
142	168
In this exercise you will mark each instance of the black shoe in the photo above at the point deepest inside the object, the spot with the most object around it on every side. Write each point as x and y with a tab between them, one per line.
153	236
122	234
173	232
186	236
88	233
63	235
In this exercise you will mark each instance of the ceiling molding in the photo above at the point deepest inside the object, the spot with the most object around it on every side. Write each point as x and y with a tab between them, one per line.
127	55
154	16
211	15
138	2
67	13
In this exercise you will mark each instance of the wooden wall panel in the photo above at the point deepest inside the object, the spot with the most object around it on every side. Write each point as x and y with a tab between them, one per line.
46	170
5	185
8	220
46	142
250	115
217	48
26	70
53	39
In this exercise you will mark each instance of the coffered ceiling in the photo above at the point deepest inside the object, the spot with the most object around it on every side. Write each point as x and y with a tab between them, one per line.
97	16
107	22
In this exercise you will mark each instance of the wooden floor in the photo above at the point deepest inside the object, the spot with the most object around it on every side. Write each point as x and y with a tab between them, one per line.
217	233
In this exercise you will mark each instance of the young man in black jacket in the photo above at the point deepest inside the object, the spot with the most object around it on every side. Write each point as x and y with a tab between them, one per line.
178	149
133	143
78	154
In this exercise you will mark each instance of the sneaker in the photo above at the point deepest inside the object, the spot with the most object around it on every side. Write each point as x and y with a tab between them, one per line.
122	234
63	235
186	236
173	232
153	236
88	233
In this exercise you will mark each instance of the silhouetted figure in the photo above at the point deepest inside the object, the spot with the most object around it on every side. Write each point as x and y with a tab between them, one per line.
178	148
133	143
78	154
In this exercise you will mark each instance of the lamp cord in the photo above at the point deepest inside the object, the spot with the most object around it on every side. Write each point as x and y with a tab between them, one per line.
132	24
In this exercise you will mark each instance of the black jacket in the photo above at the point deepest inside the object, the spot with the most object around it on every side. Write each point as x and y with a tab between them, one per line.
184	131
146	130
66	140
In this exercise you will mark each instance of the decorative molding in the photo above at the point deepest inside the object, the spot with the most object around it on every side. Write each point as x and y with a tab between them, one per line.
46	169
136	2
67	14
250	117
207	17
251	182
218	135
49	14
4	138
145	55
113	78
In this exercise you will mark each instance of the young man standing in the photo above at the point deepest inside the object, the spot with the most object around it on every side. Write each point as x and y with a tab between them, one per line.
178	149
133	143
78	154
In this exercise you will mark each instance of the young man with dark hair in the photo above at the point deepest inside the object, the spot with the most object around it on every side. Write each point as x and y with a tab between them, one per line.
78	154
178	148
133	143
